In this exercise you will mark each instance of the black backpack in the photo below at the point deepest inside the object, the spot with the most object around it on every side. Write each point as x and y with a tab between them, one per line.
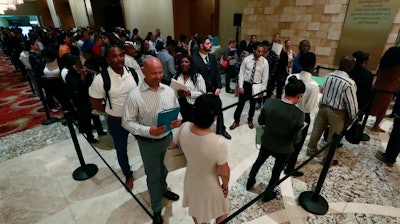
107	81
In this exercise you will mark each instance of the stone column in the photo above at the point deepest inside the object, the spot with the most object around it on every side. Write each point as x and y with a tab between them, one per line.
79	12
53	13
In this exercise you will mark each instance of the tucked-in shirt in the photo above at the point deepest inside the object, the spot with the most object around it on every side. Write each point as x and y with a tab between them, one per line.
339	92
260	75
309	101
121	86
195	90
142	107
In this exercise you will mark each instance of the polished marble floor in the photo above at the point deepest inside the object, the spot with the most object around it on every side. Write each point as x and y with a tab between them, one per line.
37	186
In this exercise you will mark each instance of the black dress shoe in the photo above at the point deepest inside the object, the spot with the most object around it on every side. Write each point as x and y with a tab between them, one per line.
171	196
269	197
295	174
250	183
229	91
226	135
365	137
102	133
93	140
157	218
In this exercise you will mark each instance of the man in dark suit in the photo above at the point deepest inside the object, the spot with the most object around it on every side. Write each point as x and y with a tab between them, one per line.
206	64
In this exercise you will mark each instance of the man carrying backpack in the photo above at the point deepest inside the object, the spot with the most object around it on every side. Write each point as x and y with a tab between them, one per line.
107	94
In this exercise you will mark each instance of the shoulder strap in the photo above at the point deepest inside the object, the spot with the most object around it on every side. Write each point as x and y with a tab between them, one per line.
180	130
106	84
134	74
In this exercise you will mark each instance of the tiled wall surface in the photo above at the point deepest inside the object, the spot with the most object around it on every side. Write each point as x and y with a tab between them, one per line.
319	21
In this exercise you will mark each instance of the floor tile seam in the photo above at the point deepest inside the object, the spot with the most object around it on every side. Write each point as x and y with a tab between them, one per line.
359	208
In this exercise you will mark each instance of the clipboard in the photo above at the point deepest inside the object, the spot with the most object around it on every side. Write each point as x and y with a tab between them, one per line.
319	80
165	117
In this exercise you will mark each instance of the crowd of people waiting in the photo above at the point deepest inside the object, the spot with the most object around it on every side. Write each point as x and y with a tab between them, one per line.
128	79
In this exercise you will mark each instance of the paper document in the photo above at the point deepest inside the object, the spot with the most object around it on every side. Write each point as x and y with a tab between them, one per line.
165	117
277	48
178	86
257	88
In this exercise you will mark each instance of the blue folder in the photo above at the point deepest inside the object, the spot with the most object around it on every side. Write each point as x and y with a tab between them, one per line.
165	117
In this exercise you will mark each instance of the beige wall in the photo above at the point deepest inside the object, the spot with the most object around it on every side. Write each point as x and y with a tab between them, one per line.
226	29
78	10
319	21
149	15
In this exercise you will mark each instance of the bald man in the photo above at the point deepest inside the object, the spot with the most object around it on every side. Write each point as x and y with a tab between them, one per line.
140	118
338	104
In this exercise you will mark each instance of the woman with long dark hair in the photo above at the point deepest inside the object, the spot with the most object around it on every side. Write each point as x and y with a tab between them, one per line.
195	87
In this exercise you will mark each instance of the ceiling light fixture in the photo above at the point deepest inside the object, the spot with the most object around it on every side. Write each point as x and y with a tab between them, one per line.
9	4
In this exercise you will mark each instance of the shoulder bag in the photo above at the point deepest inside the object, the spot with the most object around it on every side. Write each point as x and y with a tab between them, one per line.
174	157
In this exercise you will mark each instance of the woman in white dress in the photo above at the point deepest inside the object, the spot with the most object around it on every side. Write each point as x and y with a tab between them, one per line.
207	171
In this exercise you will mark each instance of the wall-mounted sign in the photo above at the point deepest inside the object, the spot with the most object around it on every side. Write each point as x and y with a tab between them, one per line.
366	28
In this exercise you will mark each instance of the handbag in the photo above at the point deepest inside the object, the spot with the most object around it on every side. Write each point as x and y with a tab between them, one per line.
259	133
354	133
224	63
174	158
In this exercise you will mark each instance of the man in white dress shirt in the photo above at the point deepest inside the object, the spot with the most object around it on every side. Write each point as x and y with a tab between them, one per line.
307	104
254	71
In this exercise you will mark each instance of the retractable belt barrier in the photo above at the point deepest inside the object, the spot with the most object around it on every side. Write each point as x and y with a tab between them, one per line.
86	171
311	201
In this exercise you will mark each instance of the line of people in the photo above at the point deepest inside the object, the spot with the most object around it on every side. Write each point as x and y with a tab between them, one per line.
135	96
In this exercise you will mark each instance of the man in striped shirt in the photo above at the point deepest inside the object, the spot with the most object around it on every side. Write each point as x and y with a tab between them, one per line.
140	118
338	104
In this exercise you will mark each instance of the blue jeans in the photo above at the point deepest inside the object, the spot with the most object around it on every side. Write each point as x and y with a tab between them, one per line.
120	138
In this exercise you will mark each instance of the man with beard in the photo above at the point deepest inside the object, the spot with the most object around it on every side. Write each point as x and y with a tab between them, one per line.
206	64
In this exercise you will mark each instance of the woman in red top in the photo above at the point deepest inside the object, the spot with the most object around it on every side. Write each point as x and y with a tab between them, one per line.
387	80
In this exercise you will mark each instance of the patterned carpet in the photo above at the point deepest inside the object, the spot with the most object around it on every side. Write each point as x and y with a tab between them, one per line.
18	110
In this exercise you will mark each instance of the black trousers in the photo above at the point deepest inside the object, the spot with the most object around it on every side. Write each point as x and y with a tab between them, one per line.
280	162
230	73
299	145
280	83
393	147
248	91
186	109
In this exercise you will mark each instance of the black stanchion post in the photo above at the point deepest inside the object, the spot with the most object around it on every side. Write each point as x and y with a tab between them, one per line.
34	94
48	120
85	171
312	201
